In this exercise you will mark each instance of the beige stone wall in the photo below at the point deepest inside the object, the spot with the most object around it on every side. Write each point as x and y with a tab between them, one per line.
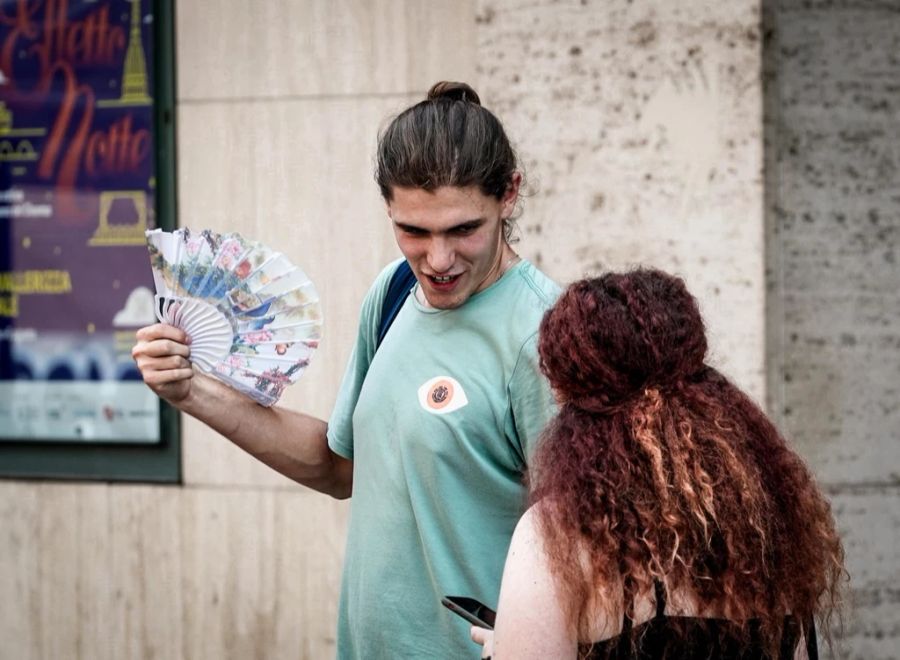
639	125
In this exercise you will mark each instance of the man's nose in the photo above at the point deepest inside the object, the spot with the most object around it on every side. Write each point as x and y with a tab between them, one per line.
440	256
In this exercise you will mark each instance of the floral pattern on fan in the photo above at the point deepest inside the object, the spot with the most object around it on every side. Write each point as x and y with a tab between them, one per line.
253	317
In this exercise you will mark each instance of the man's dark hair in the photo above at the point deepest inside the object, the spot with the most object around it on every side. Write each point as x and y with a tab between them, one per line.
449	139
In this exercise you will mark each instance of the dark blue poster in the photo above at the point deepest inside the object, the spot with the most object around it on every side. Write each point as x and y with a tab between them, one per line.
77	192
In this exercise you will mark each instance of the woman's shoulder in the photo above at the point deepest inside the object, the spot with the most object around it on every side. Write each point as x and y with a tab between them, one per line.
530	620
527	544
601	613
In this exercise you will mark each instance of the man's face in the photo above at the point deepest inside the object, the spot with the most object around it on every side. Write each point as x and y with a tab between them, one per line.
452	239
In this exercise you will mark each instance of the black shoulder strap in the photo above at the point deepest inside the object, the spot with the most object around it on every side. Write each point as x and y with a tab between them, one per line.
812	644
660	592
398	289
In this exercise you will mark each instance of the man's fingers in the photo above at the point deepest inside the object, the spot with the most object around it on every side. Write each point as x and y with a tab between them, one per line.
162	356
479	635
160	348
155	378
162	331
165	363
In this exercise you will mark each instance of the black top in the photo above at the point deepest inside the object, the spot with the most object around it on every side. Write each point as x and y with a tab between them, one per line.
696	639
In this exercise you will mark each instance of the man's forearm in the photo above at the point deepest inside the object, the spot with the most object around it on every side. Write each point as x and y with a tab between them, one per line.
290	442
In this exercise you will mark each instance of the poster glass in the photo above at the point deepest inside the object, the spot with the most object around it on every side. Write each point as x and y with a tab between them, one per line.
77	191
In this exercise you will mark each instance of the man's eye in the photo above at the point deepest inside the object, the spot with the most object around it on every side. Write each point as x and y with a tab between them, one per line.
413	231
465	230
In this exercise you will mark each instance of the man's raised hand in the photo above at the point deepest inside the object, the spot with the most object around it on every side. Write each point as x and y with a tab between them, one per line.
162	354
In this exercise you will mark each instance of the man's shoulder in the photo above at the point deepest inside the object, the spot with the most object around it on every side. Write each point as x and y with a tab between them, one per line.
383	279
517	313
378	288
543	287
535	292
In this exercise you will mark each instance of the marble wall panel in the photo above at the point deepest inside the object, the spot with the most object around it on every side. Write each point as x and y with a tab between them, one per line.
284	48
120	572
142	614
261	573
639	125
21	622
91	572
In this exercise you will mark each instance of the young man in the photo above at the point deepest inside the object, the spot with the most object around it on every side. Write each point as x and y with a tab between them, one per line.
432	432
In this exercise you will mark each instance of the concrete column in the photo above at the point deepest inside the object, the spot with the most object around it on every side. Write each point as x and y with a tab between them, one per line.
833	315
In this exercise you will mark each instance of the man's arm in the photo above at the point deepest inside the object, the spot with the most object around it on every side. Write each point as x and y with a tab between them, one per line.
292	443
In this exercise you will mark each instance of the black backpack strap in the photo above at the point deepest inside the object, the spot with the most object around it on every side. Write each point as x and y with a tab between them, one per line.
398	289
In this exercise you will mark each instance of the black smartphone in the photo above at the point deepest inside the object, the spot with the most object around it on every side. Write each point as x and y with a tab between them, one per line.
471	610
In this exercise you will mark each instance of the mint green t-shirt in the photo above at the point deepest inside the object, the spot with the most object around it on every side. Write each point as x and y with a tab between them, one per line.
439	424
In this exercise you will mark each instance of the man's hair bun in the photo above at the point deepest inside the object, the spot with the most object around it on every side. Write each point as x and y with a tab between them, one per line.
454	91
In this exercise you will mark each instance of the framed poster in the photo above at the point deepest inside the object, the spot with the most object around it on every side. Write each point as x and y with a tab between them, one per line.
86	166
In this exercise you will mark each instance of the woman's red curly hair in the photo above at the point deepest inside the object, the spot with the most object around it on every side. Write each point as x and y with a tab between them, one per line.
657	467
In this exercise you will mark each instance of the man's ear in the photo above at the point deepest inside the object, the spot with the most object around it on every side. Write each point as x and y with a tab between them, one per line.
511	195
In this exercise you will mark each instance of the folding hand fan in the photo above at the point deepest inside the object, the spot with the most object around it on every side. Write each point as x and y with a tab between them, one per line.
252	316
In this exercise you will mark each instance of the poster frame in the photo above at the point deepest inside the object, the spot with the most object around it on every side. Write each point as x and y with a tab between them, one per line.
158	462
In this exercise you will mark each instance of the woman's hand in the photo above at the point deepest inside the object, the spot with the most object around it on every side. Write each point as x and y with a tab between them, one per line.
485	638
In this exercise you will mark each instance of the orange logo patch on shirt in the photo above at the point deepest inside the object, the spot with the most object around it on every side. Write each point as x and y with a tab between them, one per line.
442	395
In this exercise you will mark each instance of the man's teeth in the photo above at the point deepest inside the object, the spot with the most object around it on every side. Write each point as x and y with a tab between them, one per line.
442	280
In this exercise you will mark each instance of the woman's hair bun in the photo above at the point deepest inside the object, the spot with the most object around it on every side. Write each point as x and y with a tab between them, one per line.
455	91
607	339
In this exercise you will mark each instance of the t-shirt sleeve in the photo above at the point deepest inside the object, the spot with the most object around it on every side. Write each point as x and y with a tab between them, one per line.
531	403
340	424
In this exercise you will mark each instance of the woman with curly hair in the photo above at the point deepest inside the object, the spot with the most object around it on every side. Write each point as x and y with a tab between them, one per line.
669	518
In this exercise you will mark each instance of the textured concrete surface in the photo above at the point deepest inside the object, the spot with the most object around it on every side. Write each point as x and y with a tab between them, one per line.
869	523
640	127
833	207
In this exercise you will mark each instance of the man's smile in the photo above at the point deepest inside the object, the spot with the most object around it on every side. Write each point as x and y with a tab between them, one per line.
443	283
